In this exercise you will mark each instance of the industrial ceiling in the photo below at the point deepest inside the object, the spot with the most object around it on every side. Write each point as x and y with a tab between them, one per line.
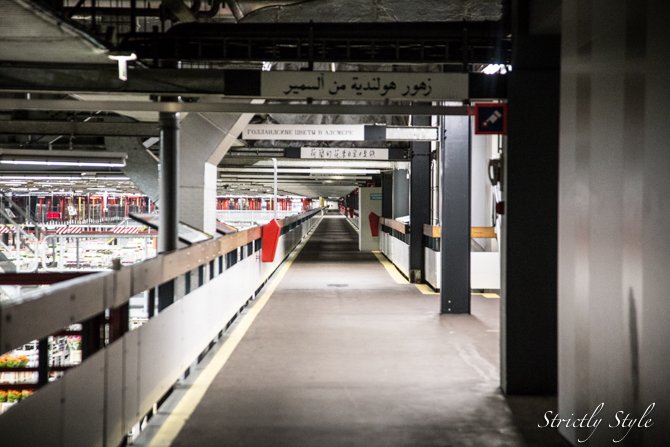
62	44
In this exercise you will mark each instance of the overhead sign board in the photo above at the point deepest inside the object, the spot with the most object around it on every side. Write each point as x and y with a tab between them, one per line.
304	132
338	132
491	119
327	153
362	85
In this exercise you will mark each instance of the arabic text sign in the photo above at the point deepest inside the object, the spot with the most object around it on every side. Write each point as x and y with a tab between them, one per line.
304	132
362	85
342	153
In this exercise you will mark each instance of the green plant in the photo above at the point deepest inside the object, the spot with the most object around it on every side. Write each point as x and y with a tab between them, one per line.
13	396
3	396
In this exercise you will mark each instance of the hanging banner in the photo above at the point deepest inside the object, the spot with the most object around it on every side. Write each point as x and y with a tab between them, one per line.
361	85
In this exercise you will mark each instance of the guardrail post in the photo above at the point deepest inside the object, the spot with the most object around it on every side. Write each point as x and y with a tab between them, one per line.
92	339
151	305
165	295
118	322
43	362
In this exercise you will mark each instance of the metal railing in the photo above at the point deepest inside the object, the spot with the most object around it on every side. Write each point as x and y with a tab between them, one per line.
120	379
253	215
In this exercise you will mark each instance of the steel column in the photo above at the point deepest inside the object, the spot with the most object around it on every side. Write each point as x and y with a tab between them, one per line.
387	196
455	219
419	201
169	198
400	193
529	242
169	182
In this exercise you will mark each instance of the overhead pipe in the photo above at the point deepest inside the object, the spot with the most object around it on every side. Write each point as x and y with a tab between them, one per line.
235	9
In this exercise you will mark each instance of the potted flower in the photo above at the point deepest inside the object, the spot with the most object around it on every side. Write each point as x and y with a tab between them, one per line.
3	396
25	394
23	361
12	362
13	396
75	343
3	361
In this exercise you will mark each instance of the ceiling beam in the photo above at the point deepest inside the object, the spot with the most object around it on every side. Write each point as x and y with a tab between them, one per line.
79	128
232	107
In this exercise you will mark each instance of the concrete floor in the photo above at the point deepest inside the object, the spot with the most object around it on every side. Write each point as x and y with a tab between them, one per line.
341	355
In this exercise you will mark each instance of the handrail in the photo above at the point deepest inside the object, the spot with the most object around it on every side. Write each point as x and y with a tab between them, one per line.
291	219
432	230
483	232
395	224
81	298
475	232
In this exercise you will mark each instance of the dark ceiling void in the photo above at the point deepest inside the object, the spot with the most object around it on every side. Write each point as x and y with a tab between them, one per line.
454	43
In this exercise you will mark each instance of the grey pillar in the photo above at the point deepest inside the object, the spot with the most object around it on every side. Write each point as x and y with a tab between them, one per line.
455	219
400	193
387	196
419	202
169	182
528	327
169	209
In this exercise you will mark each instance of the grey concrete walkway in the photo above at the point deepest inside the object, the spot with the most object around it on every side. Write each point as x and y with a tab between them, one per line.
341	355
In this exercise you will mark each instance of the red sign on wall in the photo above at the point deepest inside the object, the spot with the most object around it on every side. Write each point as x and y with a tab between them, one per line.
491	119
53	215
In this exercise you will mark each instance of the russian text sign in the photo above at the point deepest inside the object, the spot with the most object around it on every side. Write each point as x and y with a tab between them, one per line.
305	132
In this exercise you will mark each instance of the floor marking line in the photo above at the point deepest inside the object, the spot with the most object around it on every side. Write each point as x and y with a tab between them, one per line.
390	268
188	403
488	295
426	290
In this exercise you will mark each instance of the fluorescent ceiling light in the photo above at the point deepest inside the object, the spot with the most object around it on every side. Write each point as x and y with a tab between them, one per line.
63	158
83	164
495	68
50	177
310	171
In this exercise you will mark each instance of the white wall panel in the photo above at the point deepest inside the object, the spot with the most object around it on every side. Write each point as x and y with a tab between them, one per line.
18	425
114	427
160	360
485	270
83	403
433	267
131	379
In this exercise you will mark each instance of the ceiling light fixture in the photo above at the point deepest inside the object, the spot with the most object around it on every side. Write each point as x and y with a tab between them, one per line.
85	159
53	177
123	63
495	68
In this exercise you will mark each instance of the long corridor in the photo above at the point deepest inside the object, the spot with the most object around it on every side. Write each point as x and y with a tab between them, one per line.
342	355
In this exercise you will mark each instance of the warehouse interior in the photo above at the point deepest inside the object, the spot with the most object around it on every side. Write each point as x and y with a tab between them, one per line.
267	222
